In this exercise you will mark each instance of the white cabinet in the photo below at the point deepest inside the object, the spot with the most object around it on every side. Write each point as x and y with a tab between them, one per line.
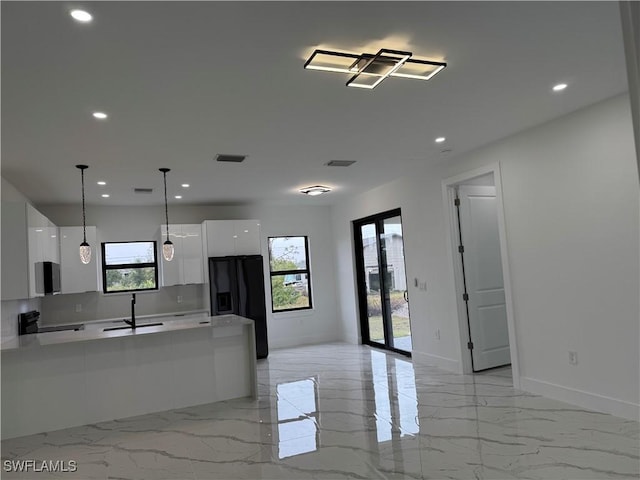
187	266
220	241
52	251
192	271
15	251
75	276
37	225
43	244
247	237
43	237
232	237
28	238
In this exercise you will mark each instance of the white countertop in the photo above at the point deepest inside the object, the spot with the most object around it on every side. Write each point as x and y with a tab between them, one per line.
95	330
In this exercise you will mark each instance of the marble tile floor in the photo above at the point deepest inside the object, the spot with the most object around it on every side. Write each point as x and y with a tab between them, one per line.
339	411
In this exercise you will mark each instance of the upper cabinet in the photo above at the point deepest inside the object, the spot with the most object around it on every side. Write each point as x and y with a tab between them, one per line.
232	237
187	266
44	246
75	276
15	251
247	237
28	239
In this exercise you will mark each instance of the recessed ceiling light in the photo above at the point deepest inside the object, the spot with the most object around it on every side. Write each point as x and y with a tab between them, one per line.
101	183
81	16
185	185
315	190
100	115
105	195
560	87
440	139
178	197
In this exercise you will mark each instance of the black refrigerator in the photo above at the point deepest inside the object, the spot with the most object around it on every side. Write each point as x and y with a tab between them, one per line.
237	286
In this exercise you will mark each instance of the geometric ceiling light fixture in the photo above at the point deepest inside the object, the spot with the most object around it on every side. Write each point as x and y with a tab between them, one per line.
85	248
368	70
167	246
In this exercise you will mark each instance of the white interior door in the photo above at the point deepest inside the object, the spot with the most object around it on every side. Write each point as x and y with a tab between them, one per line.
483	275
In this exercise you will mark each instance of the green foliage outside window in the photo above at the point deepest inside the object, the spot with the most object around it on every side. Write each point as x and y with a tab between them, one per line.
130	279
283	295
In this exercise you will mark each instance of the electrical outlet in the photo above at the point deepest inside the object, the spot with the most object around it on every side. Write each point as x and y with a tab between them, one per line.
573	358
438	334
78	307
179	298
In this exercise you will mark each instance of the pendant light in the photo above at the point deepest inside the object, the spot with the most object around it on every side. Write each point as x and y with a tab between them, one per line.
167	247
85	248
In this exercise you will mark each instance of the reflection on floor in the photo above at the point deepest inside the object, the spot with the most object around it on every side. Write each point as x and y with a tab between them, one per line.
342	411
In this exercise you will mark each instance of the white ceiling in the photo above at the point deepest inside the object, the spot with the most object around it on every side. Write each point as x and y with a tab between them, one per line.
183	81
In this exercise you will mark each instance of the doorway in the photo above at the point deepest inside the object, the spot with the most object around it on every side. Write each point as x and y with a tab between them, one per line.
478	253
382	282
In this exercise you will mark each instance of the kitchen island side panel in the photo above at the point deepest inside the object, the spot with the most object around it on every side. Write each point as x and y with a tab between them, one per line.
46	388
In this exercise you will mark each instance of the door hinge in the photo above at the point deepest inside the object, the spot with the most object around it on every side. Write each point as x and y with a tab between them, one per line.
456	202
460	248
465	297
470	345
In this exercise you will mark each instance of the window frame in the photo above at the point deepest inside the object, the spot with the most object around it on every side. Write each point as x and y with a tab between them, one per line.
306	271
120	266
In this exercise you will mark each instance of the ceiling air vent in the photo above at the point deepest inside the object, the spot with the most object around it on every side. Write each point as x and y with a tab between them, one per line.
142	190
230	158
341	163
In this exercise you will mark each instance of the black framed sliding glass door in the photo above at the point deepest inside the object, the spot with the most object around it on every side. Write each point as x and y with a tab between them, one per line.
382	282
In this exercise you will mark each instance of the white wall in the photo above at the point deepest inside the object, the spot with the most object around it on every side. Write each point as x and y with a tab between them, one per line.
142	223
10	193
571	212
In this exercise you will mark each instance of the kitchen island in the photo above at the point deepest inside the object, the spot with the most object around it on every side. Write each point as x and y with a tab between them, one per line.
63	379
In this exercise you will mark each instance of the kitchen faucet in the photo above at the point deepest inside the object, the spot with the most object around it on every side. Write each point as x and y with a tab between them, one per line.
132	322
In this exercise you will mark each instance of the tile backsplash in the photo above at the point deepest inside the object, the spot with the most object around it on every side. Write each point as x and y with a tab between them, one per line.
85	307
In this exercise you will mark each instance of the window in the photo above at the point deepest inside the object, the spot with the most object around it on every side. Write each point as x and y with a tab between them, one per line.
129	266
290	277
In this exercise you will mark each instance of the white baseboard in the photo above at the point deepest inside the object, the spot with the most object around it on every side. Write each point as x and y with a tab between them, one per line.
592	401
422	358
